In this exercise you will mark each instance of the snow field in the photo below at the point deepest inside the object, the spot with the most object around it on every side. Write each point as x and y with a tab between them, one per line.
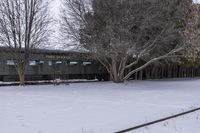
100	107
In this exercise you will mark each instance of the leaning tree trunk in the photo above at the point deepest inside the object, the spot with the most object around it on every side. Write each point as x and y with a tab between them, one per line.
117	70
21	71
117	76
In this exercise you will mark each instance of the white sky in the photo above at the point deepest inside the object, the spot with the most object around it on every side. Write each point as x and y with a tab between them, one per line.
55	6
196	1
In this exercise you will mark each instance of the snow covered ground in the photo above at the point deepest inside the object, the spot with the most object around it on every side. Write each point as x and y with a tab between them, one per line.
100	107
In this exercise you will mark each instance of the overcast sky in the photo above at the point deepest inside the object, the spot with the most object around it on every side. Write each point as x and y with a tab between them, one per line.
197	0
55	14
55	6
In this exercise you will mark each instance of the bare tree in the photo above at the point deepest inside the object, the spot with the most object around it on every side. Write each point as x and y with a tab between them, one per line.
72	18
120	33
23	26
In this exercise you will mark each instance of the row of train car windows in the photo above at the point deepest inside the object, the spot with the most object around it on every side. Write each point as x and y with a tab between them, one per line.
50	63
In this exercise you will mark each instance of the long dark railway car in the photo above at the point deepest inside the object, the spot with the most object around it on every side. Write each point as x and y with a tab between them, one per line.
50	65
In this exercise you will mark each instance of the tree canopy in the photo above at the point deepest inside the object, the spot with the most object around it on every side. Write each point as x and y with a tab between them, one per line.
120	33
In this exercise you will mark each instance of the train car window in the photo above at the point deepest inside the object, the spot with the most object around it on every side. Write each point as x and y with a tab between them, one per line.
50	63
41	62
32	63
10	62
58	62
73	63
87	63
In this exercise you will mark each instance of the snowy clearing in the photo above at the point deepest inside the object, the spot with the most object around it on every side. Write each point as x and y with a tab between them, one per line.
100	107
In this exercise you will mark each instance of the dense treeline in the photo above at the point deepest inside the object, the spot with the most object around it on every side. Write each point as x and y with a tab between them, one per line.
167	71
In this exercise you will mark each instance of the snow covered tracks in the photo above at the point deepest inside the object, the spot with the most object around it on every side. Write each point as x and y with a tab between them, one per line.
158	121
